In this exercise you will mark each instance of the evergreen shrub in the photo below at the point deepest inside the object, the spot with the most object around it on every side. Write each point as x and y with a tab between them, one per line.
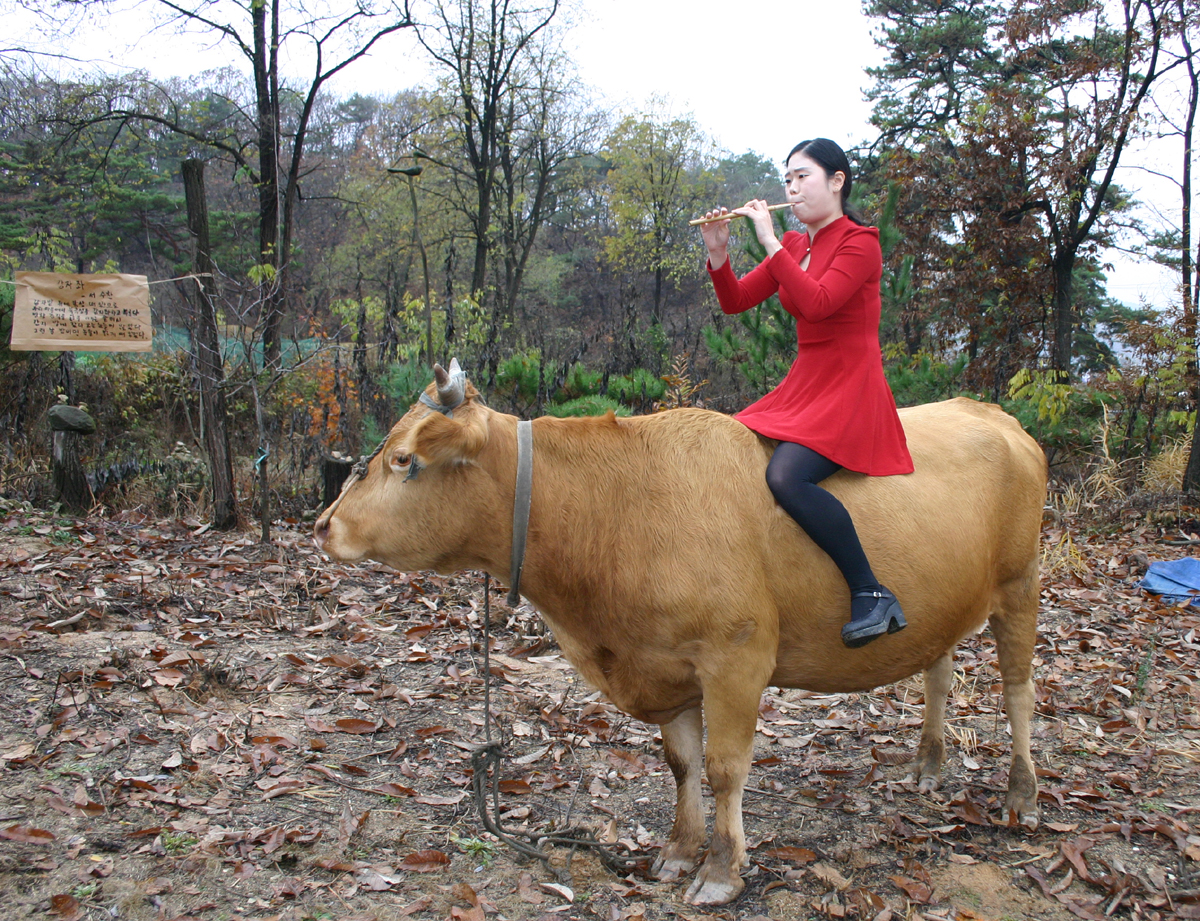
594	405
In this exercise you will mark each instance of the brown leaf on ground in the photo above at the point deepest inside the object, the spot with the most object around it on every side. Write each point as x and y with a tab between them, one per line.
1073	851
830	877
915	890
796	856
26	835
420	904
526	890
428	861
350	824
440	800
377	878
66	907
357	726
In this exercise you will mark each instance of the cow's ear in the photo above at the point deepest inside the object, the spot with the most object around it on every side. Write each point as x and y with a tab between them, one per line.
437	439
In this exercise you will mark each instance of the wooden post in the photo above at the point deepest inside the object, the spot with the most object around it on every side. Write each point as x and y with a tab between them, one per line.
210	368
335	470
69	425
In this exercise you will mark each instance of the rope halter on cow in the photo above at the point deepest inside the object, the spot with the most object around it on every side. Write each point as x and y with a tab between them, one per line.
451	391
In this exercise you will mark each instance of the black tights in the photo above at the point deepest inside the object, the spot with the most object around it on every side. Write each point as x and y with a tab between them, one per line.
793	475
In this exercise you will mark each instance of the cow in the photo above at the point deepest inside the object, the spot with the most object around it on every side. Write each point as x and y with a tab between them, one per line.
674	583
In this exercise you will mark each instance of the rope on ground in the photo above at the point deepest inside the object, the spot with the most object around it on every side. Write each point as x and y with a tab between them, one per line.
487	759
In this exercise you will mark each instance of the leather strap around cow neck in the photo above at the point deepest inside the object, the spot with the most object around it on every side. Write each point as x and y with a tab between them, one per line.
521	503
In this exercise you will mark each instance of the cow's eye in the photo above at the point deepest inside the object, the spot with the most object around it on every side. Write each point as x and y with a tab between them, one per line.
400	461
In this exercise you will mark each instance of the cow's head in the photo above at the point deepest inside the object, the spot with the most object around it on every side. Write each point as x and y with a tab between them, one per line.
423	495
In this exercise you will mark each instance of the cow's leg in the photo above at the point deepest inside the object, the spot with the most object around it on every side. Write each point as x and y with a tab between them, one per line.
1014	624
731	712
931	754
683	745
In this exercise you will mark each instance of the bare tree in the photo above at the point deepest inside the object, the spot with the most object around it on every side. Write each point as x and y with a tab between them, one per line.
328	37
1189	288
483	46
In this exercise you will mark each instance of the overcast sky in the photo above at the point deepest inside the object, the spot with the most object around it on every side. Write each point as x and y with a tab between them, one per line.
757	75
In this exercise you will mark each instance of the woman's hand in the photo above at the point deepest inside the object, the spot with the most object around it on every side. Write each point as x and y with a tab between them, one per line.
716	237
764	225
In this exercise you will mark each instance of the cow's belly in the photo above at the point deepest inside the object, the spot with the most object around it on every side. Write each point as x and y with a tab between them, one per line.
811	654
648	681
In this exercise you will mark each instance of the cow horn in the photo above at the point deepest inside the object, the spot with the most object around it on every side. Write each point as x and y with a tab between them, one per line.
451	385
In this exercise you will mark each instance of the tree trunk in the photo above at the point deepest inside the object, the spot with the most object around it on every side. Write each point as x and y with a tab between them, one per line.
479	273
264	502
1191	474
66	373
1185	243
656	313
1063	313
206	348
266	96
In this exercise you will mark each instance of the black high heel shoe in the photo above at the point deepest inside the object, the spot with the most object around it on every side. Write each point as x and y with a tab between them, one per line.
885	617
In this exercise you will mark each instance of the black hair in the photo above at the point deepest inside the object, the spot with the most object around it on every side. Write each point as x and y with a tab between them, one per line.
831	158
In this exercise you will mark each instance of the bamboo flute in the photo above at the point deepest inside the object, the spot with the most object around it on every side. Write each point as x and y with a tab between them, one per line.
725	217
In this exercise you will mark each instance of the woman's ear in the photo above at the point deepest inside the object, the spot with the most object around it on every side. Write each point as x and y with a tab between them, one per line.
837	180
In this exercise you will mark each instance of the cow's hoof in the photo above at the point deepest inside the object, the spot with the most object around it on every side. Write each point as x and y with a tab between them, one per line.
669	869
928	783
705	891
1024	817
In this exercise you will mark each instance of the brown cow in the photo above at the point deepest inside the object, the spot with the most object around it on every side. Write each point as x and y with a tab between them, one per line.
674	582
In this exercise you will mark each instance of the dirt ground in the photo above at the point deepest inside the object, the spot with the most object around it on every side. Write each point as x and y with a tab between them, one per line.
202	727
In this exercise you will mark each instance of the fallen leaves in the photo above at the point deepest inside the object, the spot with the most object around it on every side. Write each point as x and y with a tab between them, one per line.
66	907
435	800
427	861
357	726
796	856
565	893
26	835
252	709
915	890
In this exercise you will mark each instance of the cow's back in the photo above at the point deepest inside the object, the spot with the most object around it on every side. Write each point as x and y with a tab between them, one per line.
661	536
943	538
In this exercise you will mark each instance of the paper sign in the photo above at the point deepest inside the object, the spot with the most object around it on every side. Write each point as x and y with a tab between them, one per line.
55	312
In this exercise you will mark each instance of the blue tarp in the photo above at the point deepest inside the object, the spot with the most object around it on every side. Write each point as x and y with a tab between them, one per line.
1175	580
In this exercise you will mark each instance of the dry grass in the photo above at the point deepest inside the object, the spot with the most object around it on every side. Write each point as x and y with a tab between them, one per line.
1163	473
1108	487
1062	559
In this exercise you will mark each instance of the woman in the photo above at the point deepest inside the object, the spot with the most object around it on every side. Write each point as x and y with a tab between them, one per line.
834	408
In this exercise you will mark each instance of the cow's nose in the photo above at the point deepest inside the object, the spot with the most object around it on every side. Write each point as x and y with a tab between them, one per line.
321	531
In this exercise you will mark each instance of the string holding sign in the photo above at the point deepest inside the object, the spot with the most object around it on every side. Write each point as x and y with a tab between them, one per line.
158	281
58	312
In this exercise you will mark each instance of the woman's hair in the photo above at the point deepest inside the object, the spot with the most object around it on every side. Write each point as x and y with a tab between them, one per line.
832	159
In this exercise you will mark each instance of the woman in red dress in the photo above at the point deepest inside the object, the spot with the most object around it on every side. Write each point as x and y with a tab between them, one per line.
834	408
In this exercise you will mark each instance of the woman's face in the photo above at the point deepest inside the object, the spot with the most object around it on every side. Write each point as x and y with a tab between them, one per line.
816	196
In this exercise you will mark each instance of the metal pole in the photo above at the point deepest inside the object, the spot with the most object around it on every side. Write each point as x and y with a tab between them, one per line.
412	188
412	172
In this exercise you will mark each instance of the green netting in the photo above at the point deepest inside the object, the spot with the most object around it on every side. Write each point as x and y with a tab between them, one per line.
168	339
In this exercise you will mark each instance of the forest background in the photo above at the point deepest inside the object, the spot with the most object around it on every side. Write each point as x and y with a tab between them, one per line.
502	216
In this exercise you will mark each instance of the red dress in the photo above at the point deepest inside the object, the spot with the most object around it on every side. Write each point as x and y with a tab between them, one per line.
834	399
